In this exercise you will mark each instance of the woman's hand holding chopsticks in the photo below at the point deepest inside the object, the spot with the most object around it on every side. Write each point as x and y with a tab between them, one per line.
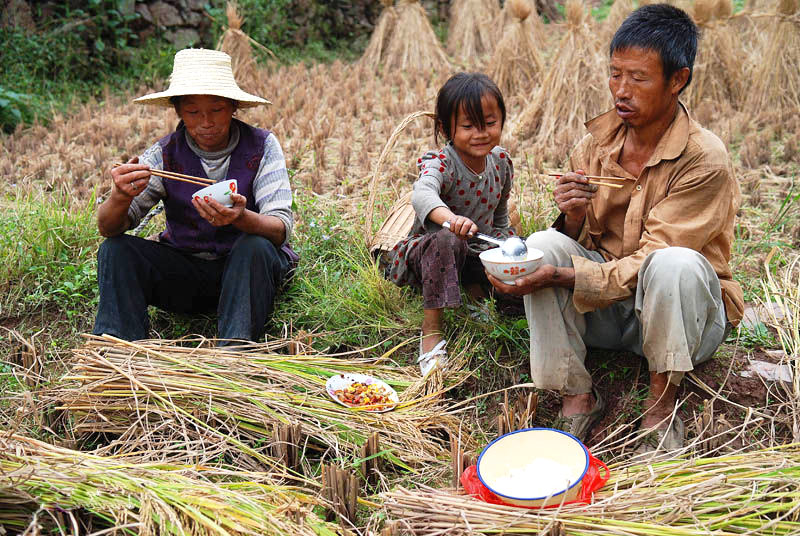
130	179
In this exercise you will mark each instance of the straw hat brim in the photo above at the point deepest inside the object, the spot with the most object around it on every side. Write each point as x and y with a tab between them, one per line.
244	99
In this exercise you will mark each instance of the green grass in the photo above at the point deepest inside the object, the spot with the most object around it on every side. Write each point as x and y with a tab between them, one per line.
49	249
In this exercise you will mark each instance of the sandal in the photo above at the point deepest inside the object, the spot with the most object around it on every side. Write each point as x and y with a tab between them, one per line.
580	424
436	358
660	441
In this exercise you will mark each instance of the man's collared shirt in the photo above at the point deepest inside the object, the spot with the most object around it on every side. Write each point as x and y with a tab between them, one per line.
686	196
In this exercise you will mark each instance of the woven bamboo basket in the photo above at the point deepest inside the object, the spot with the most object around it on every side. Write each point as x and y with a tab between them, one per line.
396	226
400	220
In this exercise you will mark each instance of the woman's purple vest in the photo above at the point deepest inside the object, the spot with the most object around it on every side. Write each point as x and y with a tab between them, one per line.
186	229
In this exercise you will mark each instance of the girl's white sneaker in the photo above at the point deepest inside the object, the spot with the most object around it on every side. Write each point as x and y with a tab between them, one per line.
428	361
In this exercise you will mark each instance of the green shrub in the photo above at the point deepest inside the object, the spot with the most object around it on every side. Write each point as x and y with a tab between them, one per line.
74	55
15	108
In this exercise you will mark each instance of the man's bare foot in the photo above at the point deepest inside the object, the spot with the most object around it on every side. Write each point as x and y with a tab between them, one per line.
660	403
577	404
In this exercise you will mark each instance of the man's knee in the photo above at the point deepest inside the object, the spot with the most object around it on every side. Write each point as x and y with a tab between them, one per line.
675	264
557	247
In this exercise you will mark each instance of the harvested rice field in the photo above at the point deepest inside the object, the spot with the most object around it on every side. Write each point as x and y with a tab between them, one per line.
173	435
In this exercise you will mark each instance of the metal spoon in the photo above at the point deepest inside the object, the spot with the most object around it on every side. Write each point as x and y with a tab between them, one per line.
512	248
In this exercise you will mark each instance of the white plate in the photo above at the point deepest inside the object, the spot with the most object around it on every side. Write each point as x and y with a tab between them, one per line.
344	380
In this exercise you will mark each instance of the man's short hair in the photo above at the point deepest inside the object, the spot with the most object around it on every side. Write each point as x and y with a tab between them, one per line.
665	29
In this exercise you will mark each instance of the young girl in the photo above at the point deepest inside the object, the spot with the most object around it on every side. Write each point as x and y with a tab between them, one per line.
467	183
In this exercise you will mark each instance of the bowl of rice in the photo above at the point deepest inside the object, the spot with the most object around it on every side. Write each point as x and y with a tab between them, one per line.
534	467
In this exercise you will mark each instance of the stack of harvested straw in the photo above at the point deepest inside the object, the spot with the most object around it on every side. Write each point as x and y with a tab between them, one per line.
78	493
718	75
574	90
776	80
516	65
375	52
236	44
619	11
746	493
196	403
413	45
469	34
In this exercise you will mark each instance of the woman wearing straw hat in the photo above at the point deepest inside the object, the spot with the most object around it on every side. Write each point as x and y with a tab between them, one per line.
209	256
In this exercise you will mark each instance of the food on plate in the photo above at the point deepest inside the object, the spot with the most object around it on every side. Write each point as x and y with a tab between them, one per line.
362	394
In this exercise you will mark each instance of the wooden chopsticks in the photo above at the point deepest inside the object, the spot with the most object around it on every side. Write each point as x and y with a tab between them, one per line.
597	179
178	176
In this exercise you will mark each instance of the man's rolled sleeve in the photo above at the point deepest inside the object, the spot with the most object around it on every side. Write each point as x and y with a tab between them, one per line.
694	212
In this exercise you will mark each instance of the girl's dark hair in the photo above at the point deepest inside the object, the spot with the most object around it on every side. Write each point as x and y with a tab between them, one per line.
667	30
464	89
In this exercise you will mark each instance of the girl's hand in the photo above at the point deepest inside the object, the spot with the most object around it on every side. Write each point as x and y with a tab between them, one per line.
130	179
218	214
462	227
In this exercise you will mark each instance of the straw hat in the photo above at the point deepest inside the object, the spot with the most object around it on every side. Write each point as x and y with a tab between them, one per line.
198	71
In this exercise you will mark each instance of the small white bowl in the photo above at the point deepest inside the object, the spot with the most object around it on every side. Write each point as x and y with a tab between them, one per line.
515	450
507	270
219	192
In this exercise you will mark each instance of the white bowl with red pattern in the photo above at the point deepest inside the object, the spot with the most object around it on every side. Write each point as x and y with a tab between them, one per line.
219	192
508	270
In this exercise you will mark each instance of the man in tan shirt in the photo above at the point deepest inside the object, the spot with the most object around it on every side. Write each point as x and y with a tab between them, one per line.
643	268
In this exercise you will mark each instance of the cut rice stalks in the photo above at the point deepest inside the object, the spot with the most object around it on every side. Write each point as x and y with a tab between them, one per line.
469	37
750	492
48	488
197	403
516	65
573	91
783	293
413	45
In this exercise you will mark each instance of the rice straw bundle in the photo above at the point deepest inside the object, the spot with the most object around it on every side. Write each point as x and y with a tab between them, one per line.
574	90
469	34
206	401
516	66
137	498
236	44
619	11
375	52
507	16
718	74
776	80
723	9
753	493
413	46
703	11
